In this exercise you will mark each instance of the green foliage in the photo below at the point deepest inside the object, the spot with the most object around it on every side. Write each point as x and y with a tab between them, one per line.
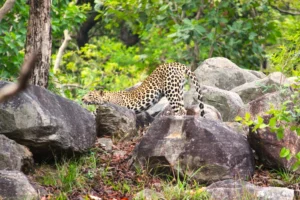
232	29
68	175
12	40
288	177
286	57
110	65
64	15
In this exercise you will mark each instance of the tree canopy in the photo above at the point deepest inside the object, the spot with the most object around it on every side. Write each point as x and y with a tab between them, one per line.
117	43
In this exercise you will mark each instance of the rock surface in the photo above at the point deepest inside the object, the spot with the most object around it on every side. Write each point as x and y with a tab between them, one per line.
268	147
222	73
46	122
253	90
263	103
238	127
115	121
105	143
14	185
190	144
229	104
14	156
258	74
231	190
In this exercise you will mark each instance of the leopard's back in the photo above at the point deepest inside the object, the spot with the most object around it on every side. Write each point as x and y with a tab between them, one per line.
166	80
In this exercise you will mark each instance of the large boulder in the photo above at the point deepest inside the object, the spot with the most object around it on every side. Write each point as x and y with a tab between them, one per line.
222	73
253	90
46	122
229	104
203	149
264	103
258	74
232	189
264	141
268	147
15	185
115	121
14	156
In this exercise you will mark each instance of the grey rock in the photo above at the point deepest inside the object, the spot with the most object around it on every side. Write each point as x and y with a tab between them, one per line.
14	185
268	147
210	112
147	194
46	122
115	121
222	73
238	127
105	143
229	104
258	74
263	103
159	106
264	141
191	145
231	190
253	90
14	156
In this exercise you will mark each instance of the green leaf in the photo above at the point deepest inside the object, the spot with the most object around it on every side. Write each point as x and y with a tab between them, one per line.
280	133
272	122
284	152
247	116
298	156
238	118
164	7
261	126
252	35
200	29
296	165
260	120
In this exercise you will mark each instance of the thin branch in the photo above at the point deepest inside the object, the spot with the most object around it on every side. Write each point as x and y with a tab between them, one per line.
287	12
6	8
61	50
14	88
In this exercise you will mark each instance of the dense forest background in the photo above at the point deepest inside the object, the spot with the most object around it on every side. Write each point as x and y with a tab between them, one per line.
114	44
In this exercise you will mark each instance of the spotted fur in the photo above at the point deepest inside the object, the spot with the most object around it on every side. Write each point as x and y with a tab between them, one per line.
166	80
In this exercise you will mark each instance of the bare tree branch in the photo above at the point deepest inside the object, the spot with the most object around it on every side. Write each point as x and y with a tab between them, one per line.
6	7
287	12
61	50
13	88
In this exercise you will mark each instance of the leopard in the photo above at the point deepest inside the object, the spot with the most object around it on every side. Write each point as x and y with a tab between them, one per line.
166	80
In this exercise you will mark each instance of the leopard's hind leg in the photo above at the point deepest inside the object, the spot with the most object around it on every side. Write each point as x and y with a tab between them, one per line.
174	93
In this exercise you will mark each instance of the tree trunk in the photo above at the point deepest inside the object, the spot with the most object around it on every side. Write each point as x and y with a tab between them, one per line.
39	40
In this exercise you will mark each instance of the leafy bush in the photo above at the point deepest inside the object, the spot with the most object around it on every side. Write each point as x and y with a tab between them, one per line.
108	64
233	29
65	15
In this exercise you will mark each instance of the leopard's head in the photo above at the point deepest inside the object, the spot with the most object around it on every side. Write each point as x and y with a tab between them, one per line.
95	97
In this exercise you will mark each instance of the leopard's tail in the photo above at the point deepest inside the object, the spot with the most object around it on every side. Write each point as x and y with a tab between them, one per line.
194	79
